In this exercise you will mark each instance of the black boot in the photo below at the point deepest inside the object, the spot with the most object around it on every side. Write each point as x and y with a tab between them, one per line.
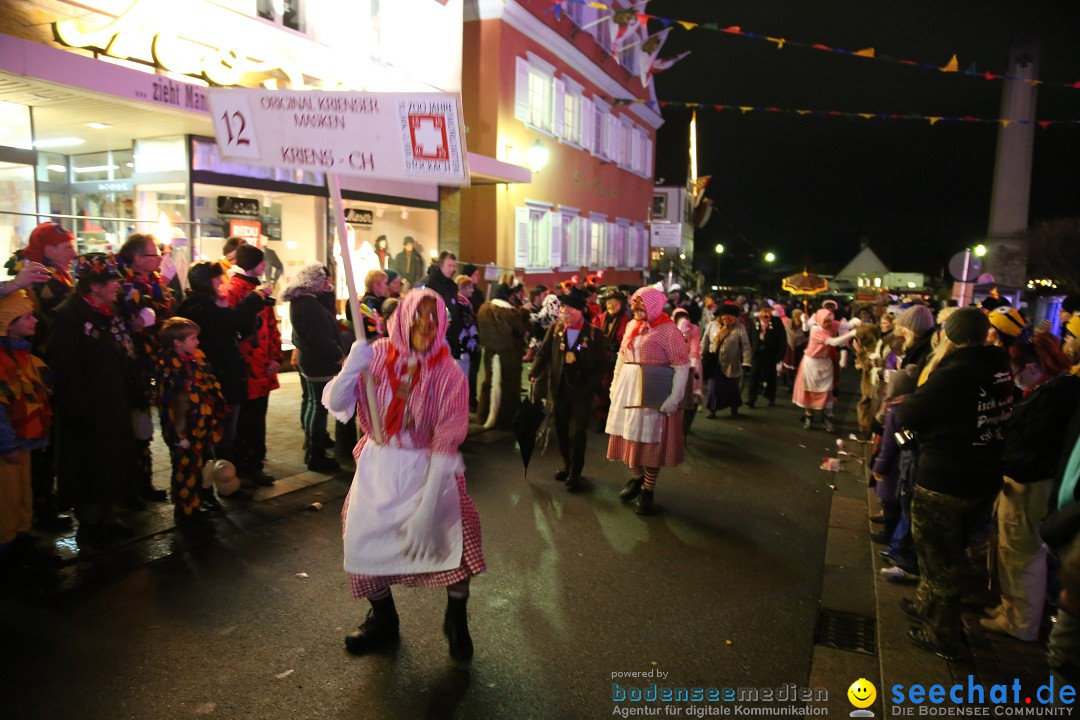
208	499
644	504
378	632
633	487
456	629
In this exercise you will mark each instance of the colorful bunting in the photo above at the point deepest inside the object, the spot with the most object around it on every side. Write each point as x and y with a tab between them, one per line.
952	66
931	119
662	64
650	50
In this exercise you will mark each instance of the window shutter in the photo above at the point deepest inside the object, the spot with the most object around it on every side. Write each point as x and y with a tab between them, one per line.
635	160
587	124
521	237
610	241
544	250
584	239
644	260
555	242
560	107
648	158
612	149
521	90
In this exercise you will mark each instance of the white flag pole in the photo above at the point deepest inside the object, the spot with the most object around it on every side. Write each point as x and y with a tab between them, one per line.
354	303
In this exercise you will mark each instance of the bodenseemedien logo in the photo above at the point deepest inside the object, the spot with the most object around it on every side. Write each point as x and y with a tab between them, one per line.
862	695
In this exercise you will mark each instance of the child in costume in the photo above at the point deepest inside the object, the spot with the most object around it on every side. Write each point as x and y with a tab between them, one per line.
25	418
192	414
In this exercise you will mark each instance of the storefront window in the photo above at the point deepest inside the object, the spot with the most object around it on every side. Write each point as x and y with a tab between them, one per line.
16	195
101	166
15	125
52	167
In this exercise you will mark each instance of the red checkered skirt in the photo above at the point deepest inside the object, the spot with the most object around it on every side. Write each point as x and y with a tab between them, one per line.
666	453
472	556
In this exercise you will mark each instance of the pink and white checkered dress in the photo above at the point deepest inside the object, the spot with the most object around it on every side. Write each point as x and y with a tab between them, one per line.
437	417
660	345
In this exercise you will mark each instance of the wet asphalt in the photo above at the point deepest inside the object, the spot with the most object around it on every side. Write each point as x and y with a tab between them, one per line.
719	589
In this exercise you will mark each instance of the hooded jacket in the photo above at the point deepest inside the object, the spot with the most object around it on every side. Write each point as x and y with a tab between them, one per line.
314	326
960	414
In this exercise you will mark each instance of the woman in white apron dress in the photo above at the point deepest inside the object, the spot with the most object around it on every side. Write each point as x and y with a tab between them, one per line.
408	519
814	380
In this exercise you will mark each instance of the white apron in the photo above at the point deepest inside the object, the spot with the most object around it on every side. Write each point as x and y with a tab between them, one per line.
644	425
385	493
817	374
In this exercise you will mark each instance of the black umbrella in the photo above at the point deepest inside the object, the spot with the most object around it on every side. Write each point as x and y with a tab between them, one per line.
527	421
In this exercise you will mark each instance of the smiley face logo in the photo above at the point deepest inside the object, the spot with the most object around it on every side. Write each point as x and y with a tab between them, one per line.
862	693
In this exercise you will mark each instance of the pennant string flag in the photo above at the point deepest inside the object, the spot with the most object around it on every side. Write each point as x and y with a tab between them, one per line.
749	109
952	66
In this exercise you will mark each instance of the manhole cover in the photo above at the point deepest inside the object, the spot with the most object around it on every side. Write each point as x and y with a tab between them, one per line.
845	631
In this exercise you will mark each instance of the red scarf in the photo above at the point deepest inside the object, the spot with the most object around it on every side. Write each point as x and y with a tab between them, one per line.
106	309
395	413
661	319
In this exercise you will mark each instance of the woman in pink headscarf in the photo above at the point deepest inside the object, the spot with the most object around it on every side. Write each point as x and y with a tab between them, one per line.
408	519
814	380
647	438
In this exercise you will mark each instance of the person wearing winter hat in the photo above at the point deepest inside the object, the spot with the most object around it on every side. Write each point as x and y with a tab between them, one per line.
48	256
24	426
1007	326
726	354
959	414
916	326
1070	307
393	283
262	356
567	371
319	356
93	359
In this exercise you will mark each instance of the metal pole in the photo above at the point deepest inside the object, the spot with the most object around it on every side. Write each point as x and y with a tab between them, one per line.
354	303
963	286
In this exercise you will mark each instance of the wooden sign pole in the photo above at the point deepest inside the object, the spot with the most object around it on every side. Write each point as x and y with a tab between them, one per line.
354	303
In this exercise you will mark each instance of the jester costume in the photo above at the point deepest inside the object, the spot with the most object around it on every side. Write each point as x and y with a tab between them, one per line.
192	408
25	419
137	294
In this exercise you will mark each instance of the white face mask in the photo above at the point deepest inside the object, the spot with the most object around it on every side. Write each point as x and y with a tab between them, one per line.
1028	376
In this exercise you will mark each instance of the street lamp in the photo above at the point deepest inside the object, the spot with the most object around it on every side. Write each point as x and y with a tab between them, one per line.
770	257
980	250
537	156
719	252
719	249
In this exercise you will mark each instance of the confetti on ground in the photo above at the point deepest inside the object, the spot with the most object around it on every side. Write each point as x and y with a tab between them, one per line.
316	506
301	575
728	643
282	676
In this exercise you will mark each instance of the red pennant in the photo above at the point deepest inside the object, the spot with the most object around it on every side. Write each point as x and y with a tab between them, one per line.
822	47
969	118
719	107
991	76
1045	123
734	30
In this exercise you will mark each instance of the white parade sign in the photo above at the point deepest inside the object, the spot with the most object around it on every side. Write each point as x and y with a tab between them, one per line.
409	137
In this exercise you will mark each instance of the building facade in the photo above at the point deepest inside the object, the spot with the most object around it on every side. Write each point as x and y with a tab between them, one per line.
105	126
539	84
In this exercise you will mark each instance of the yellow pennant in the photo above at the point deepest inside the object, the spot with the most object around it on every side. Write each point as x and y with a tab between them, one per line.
779	42
865	52
952	66
598	6
866	116
933	119
804	112
1006	123
687	25
745	108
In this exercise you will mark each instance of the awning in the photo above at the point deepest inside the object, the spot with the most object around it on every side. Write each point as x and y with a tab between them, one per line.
484	170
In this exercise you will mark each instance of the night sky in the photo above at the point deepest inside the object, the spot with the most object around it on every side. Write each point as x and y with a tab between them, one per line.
811	188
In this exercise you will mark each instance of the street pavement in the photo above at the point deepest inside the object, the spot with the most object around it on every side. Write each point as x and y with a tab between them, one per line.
720	589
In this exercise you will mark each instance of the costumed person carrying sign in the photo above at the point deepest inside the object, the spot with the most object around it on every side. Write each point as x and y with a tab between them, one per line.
408	519
645	420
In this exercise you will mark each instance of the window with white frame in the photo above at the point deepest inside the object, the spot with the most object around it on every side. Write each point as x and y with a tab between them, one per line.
569	237
597	240
571	110
617	244
626	140
643	247
287	13
534	93
638	246
637	150
532	236
601	129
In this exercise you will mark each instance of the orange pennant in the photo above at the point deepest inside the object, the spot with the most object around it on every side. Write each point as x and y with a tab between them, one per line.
866	116
867	52
952	66
804	112
933	120
1006	123
779	42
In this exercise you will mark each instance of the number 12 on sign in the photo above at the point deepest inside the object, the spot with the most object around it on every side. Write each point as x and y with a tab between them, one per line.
235	128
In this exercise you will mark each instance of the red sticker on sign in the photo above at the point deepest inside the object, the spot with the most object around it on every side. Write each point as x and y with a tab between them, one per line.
428	135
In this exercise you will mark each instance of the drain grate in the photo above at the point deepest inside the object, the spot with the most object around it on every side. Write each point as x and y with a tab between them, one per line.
846	631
